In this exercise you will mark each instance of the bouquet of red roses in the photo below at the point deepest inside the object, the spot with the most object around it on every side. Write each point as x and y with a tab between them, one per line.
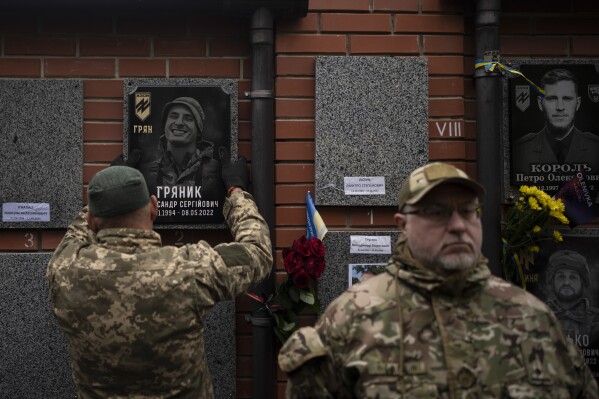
304	264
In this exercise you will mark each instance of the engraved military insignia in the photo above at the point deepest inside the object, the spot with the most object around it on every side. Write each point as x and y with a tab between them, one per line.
593	91
522	97
142	105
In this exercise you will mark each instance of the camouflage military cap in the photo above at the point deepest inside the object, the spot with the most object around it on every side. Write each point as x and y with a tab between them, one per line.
117	190
427	177
305	344
572	260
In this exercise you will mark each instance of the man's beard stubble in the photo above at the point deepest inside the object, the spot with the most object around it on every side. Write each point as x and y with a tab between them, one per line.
447	263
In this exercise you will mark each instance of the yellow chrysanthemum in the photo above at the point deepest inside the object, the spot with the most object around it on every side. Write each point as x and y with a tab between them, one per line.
534	248
557	236
536	229
533	203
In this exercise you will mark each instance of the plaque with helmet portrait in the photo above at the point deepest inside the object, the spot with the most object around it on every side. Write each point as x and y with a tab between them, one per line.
177	132
564	275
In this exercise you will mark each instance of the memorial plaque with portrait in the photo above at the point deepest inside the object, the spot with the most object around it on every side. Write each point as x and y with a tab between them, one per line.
182	131
564	276
552	137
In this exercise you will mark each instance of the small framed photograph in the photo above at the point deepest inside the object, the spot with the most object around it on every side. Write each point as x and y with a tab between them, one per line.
357	271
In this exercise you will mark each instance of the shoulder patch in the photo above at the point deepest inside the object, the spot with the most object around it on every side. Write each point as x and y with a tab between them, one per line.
303	345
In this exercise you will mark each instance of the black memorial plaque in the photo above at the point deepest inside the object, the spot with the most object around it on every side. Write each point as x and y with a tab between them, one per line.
565	276
555	137
184	131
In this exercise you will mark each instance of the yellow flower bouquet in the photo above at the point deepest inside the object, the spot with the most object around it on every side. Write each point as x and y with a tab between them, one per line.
528	222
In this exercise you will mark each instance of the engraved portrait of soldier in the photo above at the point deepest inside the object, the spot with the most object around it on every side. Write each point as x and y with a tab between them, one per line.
179	147
568	278
554	134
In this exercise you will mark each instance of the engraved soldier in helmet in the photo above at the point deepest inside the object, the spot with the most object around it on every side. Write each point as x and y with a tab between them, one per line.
185	157
568	278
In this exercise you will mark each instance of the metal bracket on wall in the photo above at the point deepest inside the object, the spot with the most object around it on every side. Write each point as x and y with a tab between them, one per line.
259	94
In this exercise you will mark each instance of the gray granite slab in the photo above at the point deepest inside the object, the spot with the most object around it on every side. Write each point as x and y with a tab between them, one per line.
371	121
42	147
220	348
335	278
35	361
218	100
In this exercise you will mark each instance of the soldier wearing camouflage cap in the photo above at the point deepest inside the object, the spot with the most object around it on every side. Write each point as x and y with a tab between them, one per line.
132	310
568	277
436	323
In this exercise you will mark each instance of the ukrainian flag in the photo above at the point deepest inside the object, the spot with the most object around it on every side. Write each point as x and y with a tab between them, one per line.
315	227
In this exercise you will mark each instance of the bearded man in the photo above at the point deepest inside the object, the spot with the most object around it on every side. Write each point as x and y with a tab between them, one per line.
436	324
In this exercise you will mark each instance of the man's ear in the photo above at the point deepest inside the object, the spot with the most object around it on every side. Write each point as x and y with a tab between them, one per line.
91	222
540	102
400	221
153	207
577	103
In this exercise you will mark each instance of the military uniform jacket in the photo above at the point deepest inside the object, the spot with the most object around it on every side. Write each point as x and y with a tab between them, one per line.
534	148
133	311
410	333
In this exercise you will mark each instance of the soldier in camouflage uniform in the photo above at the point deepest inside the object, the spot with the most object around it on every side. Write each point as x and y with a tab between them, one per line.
132	311
436	324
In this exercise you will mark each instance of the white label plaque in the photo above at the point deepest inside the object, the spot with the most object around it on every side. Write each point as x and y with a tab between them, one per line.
25	212
370	245
369	185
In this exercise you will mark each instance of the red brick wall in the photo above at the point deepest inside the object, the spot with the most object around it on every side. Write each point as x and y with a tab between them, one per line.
103	51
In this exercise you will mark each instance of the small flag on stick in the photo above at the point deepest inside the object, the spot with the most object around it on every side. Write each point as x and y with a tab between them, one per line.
315	227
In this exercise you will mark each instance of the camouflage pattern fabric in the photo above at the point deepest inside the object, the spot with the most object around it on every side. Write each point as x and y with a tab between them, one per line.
409	333
133	311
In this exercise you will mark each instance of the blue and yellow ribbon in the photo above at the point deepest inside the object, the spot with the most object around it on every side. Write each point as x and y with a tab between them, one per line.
490	67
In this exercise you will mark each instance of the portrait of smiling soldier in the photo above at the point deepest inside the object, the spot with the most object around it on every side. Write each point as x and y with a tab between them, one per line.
184	169
186	159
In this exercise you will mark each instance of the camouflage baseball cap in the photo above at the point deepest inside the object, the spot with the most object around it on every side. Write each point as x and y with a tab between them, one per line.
567	259
429	176
117	190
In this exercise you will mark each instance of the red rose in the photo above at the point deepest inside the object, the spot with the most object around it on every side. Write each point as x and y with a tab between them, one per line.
314	267
292	260
301	246
301	279
316	247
